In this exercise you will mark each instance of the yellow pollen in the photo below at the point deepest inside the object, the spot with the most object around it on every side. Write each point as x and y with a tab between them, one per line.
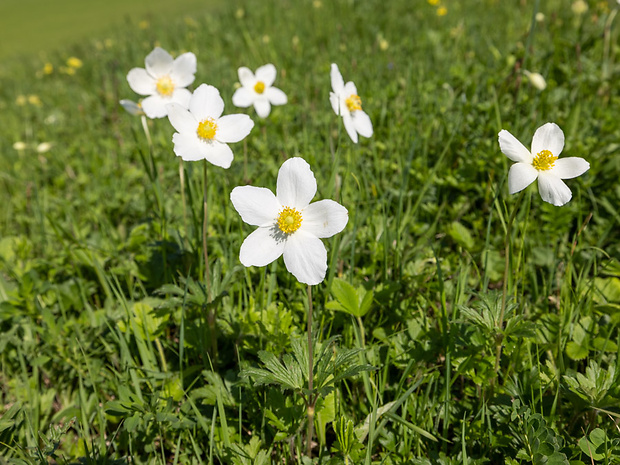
289	220
206	129
354	102
544	160
165	86
259	87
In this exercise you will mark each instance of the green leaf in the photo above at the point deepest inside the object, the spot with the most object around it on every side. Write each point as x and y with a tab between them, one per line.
346	296
576	351
461	235
594	447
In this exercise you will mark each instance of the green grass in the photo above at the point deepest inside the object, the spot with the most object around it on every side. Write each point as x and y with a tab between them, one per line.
107	336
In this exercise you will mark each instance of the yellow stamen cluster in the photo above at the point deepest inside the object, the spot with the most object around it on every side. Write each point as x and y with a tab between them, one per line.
206	129
259	87
353	102
289	220
165	86
544	160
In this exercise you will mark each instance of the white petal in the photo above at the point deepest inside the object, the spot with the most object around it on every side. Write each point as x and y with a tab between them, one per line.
262	107
155	106
261	247
335	101
296	184
181	119
570	167
206	102
324	218
141	82
553	190
257	206
183	69
159	62
132	107
233	128
548	137
512	148
275	96
246	77
181	96
349	125
349	89
219	154
305	257
243	97
266	74
362	123
520	176
336	77
189	147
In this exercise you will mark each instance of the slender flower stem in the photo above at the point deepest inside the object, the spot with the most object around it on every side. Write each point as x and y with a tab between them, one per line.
311	397
182	181
205	226
500	324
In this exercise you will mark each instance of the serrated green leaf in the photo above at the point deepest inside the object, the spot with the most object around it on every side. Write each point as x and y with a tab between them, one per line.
346	295
576	351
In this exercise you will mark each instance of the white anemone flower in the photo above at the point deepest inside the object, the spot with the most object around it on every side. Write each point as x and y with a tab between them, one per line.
131	107
257	89
348	104
288	224
164	81
203	133
542	163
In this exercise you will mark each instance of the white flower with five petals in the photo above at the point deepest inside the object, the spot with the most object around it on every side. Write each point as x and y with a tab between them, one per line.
164	81
542	163
348	104
257	89
288	224
203	133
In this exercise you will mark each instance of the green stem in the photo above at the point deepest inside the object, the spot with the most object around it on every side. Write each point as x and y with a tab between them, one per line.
205	227
182	181
311	397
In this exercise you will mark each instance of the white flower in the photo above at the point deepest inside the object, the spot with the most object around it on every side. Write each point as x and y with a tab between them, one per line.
164	81
44	147
257	90
132	107
536	79
348	104
288	224
542	163
202	130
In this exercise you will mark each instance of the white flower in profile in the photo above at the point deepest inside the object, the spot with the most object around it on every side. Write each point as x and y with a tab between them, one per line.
164	81
202	131
536	79
542	163
131	107
288	224
257	89
348	104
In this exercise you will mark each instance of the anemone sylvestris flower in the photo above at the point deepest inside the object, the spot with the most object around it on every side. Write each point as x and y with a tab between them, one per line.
288	224
348	104
164	81
257	89
202	131
542	163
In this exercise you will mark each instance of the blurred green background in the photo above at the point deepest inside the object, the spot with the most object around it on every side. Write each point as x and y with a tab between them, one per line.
33	26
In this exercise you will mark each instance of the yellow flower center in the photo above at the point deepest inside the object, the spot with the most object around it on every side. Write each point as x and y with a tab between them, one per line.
259	87
165	86
544	160
206	129
289	220
353	102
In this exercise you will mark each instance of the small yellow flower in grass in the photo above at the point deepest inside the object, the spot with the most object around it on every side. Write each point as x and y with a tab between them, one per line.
163	81
48	68
288	224
348	104
433	2
542	163
239	13
144	24
442	11
73	62
536	79
202	131
35	100
256	89
21	100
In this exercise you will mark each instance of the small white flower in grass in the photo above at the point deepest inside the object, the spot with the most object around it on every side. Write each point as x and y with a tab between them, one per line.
348	104
288	224
536	79
164	81
131	107
203	133
542	163
257	89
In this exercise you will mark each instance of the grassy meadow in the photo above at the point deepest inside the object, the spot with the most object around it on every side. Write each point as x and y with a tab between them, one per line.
457	324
